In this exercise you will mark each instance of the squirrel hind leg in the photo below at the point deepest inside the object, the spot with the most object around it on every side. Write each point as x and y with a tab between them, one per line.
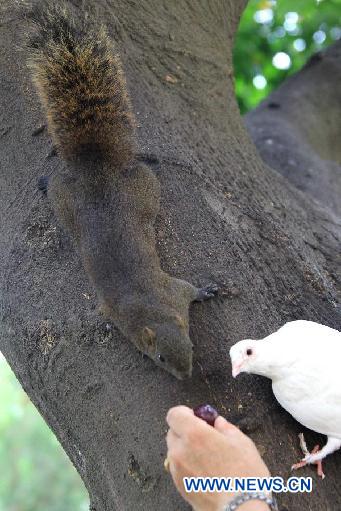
206	293
43	183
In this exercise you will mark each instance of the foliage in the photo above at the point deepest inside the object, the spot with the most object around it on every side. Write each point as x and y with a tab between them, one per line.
36	474
297	28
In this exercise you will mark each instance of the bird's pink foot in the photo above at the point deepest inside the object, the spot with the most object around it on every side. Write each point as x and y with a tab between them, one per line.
320	472
307	454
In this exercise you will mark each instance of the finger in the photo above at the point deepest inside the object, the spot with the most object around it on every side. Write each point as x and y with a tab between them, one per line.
172	439
224	427
175	457
179	409
173	470
181	419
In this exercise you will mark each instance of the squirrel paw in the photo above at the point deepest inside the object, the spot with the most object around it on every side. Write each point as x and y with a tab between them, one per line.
207	292
43	183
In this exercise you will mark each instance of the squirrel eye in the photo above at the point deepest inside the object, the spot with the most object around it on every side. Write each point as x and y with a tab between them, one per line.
161	358
249	352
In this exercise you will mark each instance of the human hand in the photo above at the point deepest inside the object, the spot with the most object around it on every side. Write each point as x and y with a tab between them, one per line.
196	449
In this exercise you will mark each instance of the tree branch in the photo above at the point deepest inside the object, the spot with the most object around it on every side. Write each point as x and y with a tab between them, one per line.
298	127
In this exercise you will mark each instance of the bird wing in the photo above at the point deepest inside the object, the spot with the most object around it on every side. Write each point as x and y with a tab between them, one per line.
314	400
310	387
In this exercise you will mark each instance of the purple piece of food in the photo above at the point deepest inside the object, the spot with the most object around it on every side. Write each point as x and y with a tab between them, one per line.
207	413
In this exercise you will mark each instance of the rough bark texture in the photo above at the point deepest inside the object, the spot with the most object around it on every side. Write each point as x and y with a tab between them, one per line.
226	217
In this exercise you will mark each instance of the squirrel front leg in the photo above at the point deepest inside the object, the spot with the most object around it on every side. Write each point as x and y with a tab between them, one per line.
193	293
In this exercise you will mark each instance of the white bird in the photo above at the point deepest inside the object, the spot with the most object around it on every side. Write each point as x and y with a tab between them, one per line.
303	361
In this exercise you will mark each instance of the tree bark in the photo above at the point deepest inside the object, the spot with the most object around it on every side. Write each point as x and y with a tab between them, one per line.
225	217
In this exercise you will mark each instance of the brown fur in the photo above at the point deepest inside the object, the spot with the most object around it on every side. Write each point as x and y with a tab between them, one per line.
82	87
109	213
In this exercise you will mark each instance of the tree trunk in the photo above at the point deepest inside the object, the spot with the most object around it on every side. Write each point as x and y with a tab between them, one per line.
225	217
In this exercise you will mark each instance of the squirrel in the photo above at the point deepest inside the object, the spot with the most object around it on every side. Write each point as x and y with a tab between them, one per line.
104	197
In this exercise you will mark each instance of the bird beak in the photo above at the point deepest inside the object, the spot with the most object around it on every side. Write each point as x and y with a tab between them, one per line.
236	368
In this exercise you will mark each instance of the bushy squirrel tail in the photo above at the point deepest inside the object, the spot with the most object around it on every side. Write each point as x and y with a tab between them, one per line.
79	79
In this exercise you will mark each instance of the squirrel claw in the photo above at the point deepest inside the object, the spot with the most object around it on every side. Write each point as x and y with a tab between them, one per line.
207	292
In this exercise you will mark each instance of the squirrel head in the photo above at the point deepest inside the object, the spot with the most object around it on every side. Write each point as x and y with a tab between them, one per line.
160	334
169	346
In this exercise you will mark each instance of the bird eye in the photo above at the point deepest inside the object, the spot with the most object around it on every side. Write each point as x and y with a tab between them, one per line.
249	352
161	358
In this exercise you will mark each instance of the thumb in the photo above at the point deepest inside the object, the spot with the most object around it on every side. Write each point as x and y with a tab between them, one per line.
223	426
